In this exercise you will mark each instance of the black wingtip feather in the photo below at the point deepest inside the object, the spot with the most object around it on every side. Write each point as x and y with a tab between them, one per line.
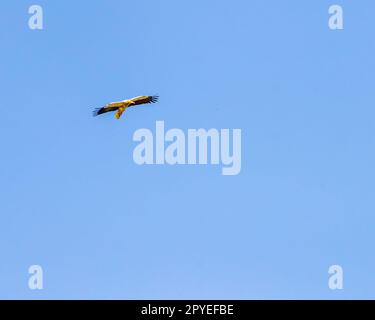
96	112
154	99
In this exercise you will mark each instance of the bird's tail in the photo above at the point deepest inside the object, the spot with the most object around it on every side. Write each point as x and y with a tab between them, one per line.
119	113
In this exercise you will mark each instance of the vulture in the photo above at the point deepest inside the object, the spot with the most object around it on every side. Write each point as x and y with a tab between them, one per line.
121	106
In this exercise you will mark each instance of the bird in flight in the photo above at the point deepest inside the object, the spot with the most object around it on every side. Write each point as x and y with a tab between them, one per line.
121	106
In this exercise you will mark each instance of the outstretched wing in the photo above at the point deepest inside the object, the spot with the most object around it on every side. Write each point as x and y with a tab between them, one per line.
113	106
144	99
102	110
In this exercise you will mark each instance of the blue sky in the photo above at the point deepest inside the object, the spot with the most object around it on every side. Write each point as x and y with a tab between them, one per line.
74	201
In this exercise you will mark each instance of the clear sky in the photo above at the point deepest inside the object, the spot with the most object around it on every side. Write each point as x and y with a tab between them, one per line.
74	202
